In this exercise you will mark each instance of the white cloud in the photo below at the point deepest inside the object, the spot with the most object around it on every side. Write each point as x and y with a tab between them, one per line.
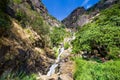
88	6
84	3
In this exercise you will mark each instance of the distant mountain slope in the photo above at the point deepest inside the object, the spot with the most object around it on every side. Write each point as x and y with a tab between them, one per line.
80	16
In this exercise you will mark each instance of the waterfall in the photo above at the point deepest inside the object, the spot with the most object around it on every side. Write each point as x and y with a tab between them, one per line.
52	68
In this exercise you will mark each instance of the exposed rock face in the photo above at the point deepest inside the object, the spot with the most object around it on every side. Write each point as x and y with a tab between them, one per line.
70	21
39	7
35	5
80	16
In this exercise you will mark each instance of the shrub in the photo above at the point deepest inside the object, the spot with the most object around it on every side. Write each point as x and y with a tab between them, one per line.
3	5
5	21
66	45
103	34
28	17
17	1
57	35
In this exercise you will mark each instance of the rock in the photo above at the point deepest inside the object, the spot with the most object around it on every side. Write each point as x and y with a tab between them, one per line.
52	79
81	16
67	70
73	17
65	77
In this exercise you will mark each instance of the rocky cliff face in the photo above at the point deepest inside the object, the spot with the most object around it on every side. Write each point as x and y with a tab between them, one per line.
71	20
35	5
80	16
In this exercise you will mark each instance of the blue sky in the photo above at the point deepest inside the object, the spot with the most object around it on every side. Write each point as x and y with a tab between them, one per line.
62	8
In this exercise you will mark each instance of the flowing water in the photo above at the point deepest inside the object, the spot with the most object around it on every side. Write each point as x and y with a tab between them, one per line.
52	68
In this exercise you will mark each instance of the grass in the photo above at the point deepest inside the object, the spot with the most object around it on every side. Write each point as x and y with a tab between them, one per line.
17	76
89	70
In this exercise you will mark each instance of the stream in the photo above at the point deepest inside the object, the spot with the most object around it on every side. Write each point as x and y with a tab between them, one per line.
53	67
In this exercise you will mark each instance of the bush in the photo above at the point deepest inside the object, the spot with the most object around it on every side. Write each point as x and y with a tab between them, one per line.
20	15
3	5
30	18
103	34
57	35
5	21
66	45
17	1
87	70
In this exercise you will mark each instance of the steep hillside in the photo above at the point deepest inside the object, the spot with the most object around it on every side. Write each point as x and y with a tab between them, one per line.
25	44
101	37
80	16
98	43
34	5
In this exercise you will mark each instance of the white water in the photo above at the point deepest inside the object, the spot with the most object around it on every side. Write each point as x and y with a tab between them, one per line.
52	68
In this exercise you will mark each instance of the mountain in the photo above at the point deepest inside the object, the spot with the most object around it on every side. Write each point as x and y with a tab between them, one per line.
99	41
25	26
35	5
81	16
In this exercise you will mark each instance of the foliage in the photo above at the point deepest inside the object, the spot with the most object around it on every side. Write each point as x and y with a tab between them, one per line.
103	34
31	18
87	70
56	50
3	5
57	35
17	1
17	76
66	45
5	21
40	26
22	17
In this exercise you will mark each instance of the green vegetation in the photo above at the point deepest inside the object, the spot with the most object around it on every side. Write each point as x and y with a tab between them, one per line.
103	35
3	5
17	1
88	70
66	45
5	21
17	76
56	50
39	25
21	16
57	35
27	18
31	18
100	38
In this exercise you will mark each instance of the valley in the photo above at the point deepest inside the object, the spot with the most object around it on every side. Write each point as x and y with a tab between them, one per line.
36	46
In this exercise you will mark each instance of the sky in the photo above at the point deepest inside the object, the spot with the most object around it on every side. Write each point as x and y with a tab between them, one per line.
60	9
